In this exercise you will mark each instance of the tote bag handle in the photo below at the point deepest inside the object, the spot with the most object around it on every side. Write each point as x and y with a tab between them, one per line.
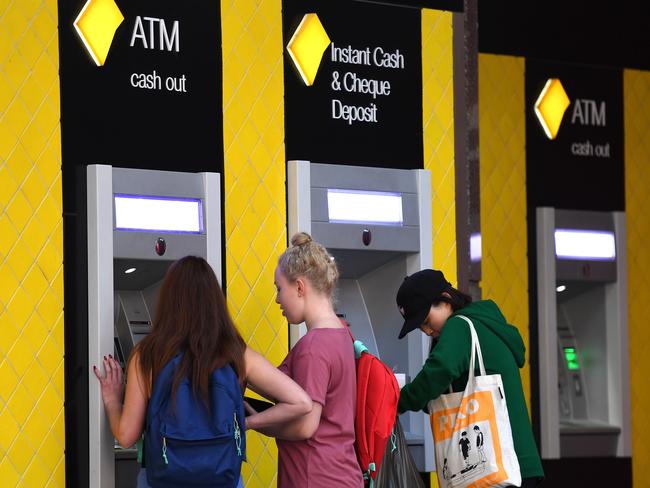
476	349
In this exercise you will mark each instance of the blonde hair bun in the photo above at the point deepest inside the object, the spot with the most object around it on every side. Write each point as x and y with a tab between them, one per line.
300	239
309	259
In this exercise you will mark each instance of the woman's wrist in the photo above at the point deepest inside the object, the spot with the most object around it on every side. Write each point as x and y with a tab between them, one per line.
251	422
112	405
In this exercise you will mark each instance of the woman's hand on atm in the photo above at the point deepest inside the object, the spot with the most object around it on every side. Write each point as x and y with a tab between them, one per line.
112	382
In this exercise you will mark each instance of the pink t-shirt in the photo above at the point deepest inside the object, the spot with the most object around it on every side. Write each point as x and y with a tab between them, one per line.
322	363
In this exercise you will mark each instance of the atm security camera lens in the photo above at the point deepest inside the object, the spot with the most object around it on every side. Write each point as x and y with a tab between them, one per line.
161	246
366	237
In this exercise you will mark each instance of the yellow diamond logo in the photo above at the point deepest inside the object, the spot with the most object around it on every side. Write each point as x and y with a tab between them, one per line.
96	25
550	106
307	46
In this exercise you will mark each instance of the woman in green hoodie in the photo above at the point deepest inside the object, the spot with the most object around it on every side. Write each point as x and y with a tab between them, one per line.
428	302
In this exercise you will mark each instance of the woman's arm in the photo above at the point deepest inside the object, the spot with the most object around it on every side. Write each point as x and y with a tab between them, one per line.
126	421
297	430
292	403
448	360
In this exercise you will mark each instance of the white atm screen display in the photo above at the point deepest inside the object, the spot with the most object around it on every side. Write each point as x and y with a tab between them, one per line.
161	214
366	207
580	244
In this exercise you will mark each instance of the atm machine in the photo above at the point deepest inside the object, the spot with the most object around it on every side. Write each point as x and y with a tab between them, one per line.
139	222
376	223
583	341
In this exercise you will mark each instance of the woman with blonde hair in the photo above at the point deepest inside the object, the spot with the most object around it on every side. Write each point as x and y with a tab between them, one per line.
192	327
316	450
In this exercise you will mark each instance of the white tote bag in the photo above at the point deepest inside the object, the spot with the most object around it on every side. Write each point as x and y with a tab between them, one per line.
471	431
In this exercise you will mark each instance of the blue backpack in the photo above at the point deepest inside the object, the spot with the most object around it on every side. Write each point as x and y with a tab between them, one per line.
187	444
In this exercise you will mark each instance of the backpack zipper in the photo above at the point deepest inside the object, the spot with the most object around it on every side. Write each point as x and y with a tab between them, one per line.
164	450
237	434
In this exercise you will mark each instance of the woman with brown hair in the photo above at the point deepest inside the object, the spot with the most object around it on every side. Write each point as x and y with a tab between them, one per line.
192	319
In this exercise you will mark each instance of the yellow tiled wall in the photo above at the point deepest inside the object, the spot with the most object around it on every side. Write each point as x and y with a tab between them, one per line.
438	138
502	142
32	426
254	208
438	125
637	207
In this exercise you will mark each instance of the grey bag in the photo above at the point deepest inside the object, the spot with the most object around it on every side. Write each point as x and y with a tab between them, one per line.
397	468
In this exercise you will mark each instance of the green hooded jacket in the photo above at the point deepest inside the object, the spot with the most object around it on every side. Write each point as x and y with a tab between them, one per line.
503	353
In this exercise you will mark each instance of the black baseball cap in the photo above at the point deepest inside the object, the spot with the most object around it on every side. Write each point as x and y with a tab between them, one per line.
416	295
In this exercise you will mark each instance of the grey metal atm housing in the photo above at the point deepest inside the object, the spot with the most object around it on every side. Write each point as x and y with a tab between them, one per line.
372	271
121	305
583	348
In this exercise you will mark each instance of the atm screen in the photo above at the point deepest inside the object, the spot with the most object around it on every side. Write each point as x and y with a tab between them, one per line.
571	358
362	206
155	213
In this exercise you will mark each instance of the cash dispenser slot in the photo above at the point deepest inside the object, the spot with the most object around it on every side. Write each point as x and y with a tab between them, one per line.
133	320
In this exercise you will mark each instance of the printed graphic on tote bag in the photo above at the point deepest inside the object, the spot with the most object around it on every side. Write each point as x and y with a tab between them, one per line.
471	442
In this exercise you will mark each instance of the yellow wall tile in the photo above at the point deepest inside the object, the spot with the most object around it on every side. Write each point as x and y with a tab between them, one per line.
16	116
8	187
9	429
48	160
34	237
9	334
438	125
18	162
56	287
36	428
8	285
20	453
49	308
49	356
30	220
57	333
35	284
58	476
254	175
503	191
50	212
637	208
48	449
8	473
20	307
8	384
21	356
33	140
20	405
19	211
49	261
36	475
50	404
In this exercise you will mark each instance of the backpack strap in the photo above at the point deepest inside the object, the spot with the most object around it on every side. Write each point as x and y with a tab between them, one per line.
359	347
347	327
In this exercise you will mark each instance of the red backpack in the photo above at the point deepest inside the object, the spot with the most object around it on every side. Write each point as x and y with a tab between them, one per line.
377	397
